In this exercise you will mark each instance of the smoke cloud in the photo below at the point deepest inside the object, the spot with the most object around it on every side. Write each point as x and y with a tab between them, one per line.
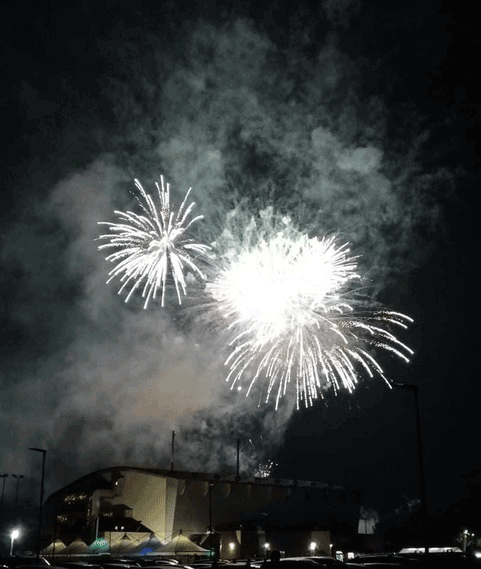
246	124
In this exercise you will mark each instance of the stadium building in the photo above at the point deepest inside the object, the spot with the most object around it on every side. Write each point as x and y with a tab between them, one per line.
128	510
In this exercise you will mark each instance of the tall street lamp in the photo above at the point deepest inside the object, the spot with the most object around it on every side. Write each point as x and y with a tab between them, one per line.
39	531
414	389
4	476
18	477
211	528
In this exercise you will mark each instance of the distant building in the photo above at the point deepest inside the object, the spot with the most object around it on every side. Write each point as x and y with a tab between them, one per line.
239	517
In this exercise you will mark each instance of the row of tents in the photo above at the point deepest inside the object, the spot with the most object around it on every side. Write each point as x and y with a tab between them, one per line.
127	545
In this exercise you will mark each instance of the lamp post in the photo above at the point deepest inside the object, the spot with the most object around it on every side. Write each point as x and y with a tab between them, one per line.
414	389
39	531
13	536
4	476
211	489
18	477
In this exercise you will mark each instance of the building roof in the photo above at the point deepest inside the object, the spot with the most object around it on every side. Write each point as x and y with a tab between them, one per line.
97	479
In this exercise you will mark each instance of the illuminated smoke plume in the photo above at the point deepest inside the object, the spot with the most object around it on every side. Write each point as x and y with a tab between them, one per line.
367	520
249	124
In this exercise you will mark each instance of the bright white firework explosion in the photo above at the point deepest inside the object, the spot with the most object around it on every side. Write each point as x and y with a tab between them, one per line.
291	311
153	247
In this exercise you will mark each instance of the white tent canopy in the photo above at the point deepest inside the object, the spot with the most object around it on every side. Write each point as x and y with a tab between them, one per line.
54	548
181	544
149	546
77	547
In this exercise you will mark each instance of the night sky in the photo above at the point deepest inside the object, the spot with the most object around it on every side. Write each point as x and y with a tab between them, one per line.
355	118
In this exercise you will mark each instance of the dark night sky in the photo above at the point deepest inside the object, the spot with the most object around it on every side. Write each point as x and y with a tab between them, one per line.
232	102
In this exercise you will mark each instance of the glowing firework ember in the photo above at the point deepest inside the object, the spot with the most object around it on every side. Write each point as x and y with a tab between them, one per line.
153	247
264	469
292	315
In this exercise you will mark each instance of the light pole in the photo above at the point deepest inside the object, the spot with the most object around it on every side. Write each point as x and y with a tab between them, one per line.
414	389
465	540
13	535
18	477
211	488
39	531
4	476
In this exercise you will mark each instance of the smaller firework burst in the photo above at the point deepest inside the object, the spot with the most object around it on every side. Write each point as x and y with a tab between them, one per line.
153	247
264	469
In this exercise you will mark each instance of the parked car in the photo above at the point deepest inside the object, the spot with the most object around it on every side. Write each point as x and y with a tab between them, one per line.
381	565
244	563
104	560
75	564
307	563
326	561
146	560
454	560
118	561
33	566
159	566
421	561
20	560
321	561
118	565
389	559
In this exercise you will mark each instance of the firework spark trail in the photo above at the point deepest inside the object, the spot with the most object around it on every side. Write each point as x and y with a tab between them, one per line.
287	302
153	246
292	315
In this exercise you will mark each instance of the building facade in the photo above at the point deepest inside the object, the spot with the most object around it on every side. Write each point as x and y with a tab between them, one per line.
238	517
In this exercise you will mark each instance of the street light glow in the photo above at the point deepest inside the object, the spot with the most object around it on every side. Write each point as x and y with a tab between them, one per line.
14	534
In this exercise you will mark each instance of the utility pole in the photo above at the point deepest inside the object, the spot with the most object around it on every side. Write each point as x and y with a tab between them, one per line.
414	389
211	488
18	477
238	460
4	476
39	531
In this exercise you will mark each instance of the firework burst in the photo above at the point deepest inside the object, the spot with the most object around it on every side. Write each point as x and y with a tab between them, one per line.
292	313
264	469
154	246
288	304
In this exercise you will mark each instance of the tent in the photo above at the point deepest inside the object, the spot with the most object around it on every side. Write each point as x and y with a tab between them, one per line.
122	546
181	545
148	546
55	548
77	547
99	545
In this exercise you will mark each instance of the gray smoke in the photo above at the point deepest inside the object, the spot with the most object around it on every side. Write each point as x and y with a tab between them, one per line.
244	123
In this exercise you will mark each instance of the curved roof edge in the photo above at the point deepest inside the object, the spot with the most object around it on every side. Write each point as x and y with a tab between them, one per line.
203	476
